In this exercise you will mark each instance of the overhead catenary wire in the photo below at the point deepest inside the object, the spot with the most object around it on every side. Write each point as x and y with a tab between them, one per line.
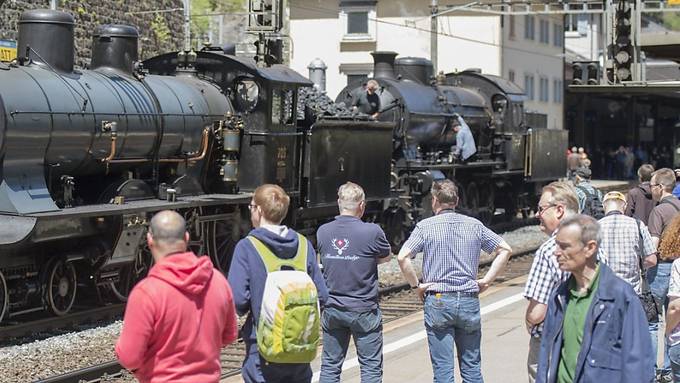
440	33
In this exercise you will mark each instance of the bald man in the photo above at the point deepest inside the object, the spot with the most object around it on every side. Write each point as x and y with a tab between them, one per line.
179	317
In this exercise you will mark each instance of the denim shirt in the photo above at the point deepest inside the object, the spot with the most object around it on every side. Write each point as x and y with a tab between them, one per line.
616	343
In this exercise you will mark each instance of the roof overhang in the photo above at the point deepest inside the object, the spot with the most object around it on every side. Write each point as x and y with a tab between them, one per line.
661	44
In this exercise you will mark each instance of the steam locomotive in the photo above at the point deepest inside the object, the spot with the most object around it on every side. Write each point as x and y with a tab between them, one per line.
87	156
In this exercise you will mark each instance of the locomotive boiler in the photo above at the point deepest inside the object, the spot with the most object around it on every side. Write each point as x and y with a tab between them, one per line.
86	155
512	161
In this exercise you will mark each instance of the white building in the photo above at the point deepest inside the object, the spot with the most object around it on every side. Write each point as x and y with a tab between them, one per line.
525	49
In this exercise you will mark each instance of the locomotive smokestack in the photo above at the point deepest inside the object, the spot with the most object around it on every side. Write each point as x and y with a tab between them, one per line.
115	46
46	36
383	64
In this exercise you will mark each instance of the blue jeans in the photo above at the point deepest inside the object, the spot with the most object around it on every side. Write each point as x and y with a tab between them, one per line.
659	278
366	329
257	370
453	320
674	355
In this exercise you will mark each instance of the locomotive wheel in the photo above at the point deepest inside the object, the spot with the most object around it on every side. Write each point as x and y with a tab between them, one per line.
131	274
472	198
4	296
60	286
486	210
221	243
393	221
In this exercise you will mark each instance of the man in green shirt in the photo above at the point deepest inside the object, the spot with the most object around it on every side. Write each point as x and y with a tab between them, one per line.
595	328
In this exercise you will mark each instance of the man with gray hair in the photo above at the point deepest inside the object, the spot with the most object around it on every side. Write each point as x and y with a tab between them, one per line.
350	252
451	244
558	201
595	329
179	317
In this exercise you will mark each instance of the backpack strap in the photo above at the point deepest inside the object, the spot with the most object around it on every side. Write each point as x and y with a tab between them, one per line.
274	263
677	209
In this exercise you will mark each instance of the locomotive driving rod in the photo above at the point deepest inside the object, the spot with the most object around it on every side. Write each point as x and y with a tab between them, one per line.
205	140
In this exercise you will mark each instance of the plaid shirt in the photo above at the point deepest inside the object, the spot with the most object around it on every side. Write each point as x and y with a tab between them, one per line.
621	241
451	245
545	275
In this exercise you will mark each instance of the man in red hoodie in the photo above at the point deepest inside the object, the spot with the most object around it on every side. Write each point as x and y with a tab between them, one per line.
179	317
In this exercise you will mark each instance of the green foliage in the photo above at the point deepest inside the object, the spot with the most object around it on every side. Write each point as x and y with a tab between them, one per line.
200	9
671	20
160	29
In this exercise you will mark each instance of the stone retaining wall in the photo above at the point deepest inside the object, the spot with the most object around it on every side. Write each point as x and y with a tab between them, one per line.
159	32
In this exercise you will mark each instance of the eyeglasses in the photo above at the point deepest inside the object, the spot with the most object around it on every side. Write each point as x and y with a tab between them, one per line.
251	206
541	209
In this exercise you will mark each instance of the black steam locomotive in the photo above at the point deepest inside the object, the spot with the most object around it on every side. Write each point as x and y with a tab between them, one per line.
87	156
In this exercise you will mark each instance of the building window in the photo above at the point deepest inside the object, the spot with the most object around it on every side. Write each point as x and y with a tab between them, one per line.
511	75
511	26
577	23
544	31
357	23
355	78
558	35
529	27
544	89
529	86
557	91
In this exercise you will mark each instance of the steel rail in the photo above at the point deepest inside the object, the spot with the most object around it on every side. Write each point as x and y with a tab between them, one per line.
63	322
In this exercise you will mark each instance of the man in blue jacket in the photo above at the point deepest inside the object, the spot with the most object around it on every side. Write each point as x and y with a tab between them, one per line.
247	276
596	329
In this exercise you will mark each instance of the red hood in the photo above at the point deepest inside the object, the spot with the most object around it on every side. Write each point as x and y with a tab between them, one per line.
185	271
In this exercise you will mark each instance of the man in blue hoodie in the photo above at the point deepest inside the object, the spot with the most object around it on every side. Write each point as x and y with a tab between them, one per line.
247	276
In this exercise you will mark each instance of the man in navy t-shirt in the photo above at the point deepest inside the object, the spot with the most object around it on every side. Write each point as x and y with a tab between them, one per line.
350	252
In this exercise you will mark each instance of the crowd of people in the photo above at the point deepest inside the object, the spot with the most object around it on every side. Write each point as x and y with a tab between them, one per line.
620	162
597	290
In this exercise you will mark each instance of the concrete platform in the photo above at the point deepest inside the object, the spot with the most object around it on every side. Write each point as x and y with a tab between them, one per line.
406	355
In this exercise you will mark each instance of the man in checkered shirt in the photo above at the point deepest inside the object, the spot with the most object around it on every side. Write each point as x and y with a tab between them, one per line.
558	201
451	245
621	241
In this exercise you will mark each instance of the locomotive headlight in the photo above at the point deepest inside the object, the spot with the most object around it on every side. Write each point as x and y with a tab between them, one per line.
499	103
247	94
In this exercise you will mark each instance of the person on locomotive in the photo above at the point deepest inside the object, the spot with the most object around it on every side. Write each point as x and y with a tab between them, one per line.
248	275
465	147
350	251
179	317
368	102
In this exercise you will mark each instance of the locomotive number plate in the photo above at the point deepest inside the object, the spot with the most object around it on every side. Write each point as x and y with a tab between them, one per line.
8	50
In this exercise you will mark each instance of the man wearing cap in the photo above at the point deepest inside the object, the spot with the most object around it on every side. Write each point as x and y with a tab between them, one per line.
624	239
589	198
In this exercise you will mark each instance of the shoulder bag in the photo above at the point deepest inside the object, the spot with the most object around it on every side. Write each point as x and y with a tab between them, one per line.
649	303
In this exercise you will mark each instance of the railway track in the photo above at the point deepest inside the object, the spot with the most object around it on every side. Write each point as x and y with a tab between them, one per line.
396	302
66	323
